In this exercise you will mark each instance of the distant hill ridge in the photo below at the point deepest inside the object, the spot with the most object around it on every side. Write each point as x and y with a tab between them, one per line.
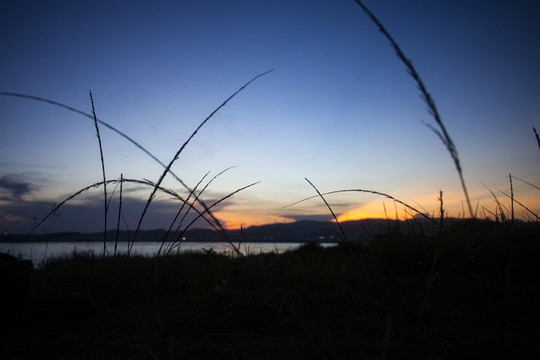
299	231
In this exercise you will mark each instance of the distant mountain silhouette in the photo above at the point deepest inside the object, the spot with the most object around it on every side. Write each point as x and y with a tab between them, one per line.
299	231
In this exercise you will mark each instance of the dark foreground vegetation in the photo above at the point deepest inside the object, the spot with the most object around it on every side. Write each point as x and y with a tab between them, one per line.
472	292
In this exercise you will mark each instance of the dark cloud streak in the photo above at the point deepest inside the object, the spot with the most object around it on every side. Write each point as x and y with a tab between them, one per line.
14	187
312	217
21	216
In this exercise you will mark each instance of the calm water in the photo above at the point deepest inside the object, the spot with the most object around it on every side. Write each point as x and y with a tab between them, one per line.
40	252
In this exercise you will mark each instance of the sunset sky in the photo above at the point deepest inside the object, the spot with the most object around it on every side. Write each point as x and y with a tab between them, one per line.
339	107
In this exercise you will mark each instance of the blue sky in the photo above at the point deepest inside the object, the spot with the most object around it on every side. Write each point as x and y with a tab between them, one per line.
339	108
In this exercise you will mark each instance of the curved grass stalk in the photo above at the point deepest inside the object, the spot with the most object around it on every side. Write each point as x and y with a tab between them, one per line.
513	199
191	206
105	205
369	192
197	198
164	240
224	234
112	128
167	167
119	215
175	157
101	122
98	184
200	214
526	182
442	133
343	236
499	205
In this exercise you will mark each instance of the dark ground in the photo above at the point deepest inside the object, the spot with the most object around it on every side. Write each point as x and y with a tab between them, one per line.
472	293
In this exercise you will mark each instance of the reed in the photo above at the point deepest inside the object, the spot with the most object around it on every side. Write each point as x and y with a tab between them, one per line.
526	182
343	236
500	207
178	232
105	206
101	122
390	197
220	227
97	185
513	200
441	132
269	305
119	215
214	222
175	157
180	210
200	214
91	117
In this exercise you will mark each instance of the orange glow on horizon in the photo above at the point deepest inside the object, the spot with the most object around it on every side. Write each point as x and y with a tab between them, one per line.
373	210
484	207
233	220
483	204
389	209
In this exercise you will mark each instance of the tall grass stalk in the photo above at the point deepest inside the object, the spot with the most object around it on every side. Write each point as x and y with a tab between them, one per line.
119	215
180	210
222	231
105	206
516	201
499	205
175	157
192	204
134	181
513	199
343	236
97	185
441	132
526	182
200	214
101	122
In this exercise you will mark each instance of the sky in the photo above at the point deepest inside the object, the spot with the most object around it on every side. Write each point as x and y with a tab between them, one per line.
339	108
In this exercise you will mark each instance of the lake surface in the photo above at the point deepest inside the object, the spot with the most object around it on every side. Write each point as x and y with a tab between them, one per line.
39	252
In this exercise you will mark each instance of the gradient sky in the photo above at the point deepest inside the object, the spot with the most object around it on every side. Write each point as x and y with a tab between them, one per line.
339	108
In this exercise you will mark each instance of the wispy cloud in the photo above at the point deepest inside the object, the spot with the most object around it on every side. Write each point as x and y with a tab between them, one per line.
12	187
29	165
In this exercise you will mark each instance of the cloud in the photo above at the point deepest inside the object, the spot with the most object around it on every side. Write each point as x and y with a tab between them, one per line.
13	188
87	215
313	217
